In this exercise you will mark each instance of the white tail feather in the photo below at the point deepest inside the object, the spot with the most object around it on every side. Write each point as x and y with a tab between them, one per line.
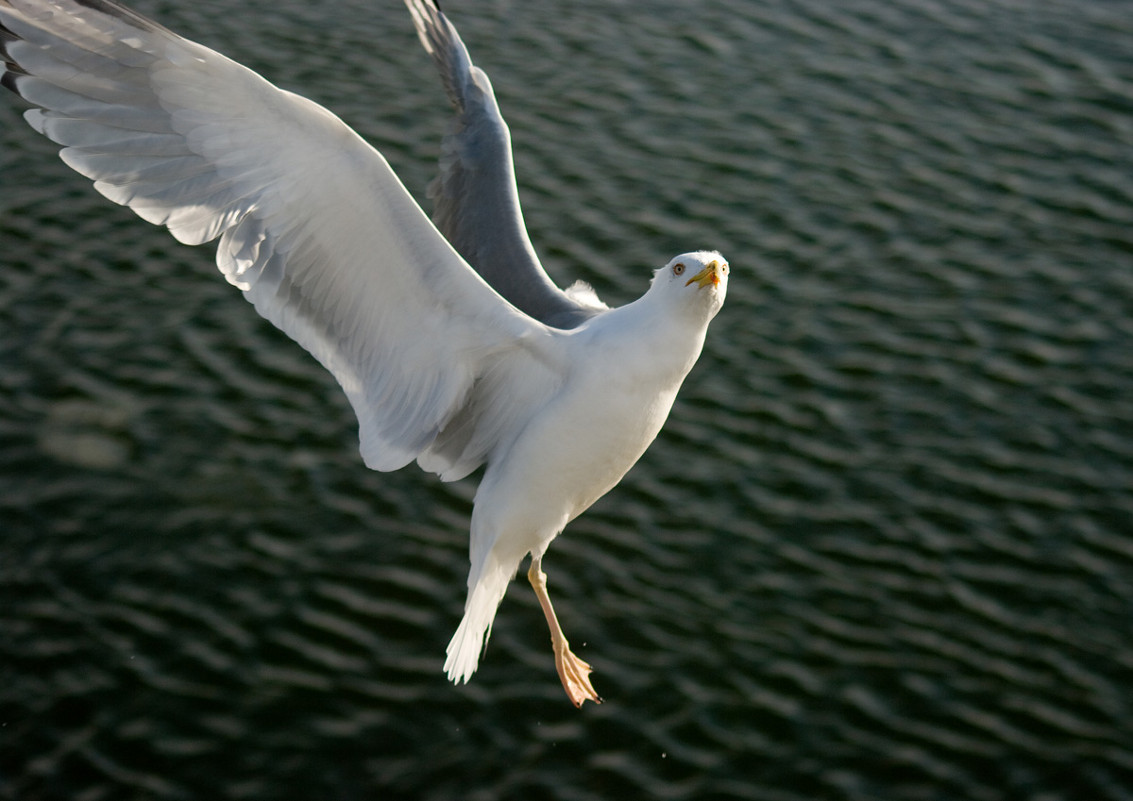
479	611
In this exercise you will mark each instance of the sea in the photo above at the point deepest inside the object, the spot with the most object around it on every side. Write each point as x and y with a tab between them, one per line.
881	551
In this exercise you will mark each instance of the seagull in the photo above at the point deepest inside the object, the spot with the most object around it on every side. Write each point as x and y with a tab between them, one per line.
454	347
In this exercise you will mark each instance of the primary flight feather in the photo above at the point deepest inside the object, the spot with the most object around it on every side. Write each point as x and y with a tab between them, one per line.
452	344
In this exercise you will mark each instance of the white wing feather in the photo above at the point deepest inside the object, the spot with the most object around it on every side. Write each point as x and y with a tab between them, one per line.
314	226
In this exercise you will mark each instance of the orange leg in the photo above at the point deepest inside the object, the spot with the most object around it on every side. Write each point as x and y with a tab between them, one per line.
574	673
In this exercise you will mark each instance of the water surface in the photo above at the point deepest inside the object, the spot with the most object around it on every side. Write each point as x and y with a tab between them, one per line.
882	550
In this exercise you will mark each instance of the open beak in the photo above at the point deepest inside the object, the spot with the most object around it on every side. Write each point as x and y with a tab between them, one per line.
709	275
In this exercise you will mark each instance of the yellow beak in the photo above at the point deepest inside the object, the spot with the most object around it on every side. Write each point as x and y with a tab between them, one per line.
709	275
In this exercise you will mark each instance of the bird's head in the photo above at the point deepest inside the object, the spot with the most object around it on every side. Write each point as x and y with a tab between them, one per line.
699	280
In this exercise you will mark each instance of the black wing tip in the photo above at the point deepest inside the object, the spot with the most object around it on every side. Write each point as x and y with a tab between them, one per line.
12	71
9	80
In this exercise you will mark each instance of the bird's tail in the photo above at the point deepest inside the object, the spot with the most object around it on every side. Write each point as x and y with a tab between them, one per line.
484	595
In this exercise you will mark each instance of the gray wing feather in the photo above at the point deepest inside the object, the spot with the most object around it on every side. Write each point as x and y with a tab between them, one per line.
476	204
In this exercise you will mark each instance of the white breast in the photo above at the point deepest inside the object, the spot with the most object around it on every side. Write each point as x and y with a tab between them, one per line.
581	444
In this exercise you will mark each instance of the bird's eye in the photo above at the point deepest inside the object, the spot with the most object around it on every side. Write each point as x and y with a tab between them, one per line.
678	268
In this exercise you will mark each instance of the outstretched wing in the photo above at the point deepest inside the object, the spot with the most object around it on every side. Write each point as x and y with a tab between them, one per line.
314	226
476	205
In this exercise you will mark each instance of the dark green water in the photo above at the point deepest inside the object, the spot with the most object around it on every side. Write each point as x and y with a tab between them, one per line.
882	550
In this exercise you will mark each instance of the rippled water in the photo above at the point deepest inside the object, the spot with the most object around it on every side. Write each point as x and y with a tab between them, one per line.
882	550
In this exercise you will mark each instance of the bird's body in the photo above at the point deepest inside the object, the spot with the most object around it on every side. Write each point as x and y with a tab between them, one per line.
453	345
626	368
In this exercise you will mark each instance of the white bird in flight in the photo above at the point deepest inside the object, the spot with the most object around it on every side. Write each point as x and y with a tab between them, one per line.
453	345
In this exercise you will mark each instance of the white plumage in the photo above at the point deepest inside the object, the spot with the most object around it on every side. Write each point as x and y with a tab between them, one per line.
453	346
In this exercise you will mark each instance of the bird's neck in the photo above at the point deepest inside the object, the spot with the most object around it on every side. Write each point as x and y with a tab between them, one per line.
649	339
